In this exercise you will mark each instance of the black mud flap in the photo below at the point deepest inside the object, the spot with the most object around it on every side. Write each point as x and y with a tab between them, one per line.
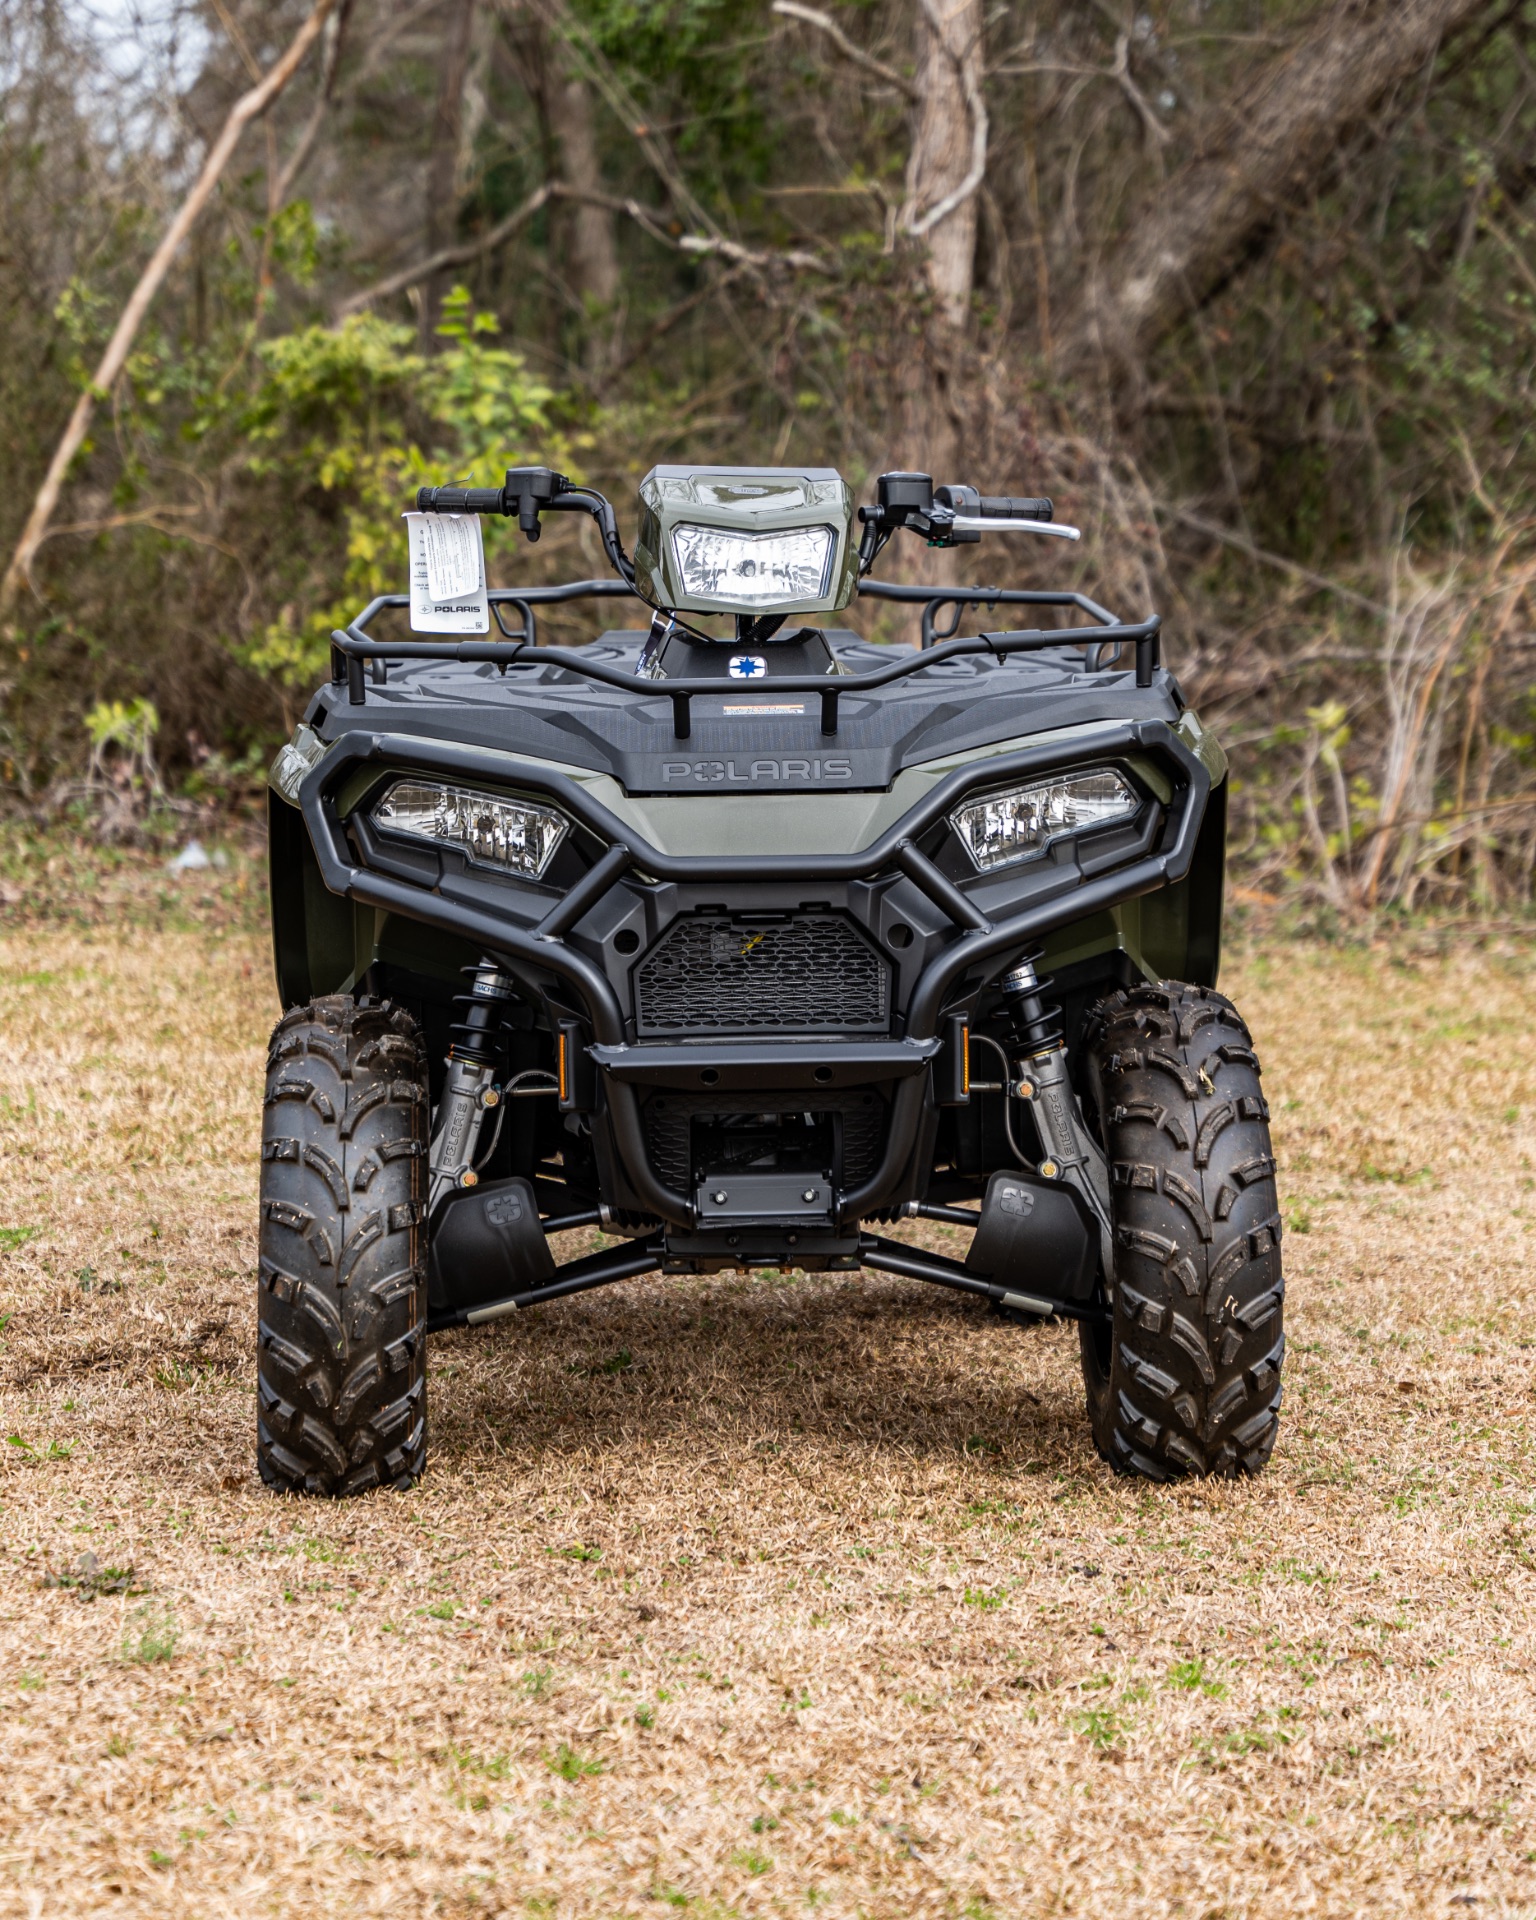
1035	1235
487	1243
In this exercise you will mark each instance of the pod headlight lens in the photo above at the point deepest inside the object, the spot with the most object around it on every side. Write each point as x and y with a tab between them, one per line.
1012	826
511	836
754	569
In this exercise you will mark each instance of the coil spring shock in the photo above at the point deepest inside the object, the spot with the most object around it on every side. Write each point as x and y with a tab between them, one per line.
470	1089
474	1031
1067	1151
1036	1023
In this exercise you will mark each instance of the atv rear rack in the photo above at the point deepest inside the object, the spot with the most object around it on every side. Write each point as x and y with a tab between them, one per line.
353	646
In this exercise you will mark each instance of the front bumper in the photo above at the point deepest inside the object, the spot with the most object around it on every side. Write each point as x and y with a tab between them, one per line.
562	945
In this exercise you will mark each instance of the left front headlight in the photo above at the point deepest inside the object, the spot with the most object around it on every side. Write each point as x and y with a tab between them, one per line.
513	836
1012	826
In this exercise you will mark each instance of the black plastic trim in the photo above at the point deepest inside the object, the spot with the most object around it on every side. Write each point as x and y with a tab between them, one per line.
737	1063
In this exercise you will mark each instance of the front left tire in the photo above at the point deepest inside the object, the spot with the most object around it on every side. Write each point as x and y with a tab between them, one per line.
341	1293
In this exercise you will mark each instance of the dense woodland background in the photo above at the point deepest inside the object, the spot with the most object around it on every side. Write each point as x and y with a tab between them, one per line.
1248	285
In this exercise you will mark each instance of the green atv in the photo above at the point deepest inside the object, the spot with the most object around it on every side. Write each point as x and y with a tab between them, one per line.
742	938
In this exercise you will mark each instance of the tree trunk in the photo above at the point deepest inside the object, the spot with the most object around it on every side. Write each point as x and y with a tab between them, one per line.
594	253
594	256
948	143
1267	149
443	161
948	56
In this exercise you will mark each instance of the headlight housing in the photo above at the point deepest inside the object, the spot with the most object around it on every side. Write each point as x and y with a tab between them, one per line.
510	836
754	569
1005	827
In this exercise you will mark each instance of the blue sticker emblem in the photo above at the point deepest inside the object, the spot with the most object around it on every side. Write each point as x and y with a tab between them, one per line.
748	666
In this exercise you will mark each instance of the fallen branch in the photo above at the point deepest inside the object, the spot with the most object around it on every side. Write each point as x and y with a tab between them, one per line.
250	106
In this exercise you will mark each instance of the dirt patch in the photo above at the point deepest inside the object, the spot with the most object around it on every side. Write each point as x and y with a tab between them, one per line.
781	1595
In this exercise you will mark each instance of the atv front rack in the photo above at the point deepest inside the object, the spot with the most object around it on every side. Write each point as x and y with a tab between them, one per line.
353	648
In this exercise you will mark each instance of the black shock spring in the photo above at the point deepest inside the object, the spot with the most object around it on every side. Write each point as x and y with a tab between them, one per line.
474	1033
1035	1022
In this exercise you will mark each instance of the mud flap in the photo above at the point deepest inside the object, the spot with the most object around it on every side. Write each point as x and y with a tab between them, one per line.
1036	1235
486	1244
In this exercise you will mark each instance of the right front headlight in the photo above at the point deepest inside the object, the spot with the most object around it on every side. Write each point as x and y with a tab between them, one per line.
1013	826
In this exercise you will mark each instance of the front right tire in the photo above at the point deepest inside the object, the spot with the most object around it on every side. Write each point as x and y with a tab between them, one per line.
1184	1379
342	1294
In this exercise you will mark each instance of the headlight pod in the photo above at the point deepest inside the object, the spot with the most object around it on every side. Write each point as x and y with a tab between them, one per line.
511	836
754	569
1005	827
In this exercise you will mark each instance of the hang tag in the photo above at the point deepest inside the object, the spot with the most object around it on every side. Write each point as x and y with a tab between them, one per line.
447	558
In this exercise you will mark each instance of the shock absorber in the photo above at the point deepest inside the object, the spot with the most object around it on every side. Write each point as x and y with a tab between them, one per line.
1068	1151
470	1090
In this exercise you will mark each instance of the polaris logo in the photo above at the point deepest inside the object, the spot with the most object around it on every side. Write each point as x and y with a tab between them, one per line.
707	772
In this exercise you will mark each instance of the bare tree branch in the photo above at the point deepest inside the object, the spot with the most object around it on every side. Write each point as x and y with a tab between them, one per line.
455	256
335	33
1156	132
812	16
698	244
599	71
250	106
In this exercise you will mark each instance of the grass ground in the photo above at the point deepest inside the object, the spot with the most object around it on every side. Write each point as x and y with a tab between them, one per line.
768	1596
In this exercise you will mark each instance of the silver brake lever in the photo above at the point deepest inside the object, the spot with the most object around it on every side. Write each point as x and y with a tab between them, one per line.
976	523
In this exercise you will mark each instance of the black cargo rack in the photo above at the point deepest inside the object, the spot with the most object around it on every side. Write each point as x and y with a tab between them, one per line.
353	647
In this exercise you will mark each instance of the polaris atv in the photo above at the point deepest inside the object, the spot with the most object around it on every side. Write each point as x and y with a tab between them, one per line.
741	937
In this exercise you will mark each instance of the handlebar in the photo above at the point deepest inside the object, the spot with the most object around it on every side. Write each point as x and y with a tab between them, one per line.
1006	507
460	500
528	492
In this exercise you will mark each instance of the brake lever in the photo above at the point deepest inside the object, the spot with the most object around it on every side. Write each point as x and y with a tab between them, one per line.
979	523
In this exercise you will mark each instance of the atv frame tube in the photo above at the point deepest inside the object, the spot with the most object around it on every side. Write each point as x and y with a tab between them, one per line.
613	1264
543	949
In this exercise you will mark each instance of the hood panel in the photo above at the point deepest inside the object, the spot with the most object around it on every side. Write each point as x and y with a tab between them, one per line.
747	740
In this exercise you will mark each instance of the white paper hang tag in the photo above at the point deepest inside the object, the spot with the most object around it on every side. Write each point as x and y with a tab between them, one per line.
447	559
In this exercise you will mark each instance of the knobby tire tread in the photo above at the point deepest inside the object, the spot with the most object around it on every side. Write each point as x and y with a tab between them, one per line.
1188	1381
341	1289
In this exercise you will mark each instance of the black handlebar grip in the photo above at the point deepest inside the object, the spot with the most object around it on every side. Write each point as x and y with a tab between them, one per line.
460	500
1003	506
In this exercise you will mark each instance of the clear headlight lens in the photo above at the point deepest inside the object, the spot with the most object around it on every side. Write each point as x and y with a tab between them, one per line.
754	569
1012	826
514	836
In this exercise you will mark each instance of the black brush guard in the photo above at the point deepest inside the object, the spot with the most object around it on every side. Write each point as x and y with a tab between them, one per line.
978	942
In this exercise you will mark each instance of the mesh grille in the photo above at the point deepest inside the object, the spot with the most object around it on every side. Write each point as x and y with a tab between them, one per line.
669	1121
722	974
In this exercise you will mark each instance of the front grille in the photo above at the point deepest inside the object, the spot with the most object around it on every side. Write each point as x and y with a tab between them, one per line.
860	1117
731	973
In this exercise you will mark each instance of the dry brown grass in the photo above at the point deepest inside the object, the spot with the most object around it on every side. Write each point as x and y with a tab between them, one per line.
764	1596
